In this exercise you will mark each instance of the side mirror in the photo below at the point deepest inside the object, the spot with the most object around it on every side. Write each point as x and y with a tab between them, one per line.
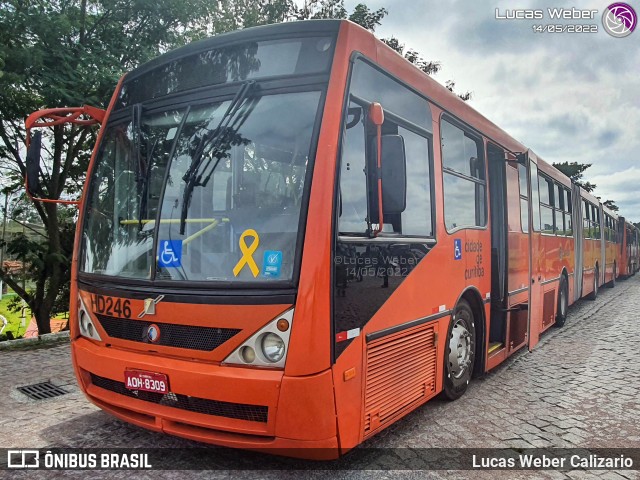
393	173
52	117
33	164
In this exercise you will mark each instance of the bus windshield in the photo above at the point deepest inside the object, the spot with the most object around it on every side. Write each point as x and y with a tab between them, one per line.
235	218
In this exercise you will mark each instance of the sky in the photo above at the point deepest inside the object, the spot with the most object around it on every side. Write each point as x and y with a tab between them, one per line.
567	96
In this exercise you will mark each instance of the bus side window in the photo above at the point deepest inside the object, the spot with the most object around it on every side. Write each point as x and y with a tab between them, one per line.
463	178
546	202
353	185
407	115
586	225
524	199
535	197
416	219
568	228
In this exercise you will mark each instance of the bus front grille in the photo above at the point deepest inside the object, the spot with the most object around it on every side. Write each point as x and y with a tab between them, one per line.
240	411
171	334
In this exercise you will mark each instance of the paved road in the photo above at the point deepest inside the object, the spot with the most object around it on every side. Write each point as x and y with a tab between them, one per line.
579	388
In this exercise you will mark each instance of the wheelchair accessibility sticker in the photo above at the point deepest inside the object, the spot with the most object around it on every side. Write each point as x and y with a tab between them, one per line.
170	253
457	249
272	263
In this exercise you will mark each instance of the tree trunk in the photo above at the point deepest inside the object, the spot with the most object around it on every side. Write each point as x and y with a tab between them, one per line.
42	320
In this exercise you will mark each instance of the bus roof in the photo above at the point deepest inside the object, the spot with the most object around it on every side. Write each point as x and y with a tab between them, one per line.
306	27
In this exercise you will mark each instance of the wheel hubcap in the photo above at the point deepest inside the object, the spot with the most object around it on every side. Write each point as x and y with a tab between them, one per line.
563	302
459	349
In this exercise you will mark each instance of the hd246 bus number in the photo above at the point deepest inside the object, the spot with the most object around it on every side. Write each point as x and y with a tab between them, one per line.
111	306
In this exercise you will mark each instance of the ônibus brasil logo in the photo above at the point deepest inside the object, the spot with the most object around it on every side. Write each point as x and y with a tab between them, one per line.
619	20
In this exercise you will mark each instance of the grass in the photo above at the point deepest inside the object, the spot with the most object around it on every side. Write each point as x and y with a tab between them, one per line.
14	319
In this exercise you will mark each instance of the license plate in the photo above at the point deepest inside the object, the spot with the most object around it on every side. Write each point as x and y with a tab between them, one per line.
146	381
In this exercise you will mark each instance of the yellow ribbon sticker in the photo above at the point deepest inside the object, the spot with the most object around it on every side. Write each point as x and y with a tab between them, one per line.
247	253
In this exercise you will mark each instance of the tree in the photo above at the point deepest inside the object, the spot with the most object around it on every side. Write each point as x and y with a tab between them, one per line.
55	54
366	18
575	171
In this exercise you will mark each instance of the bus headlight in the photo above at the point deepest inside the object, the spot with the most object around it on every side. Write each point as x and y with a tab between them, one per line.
267	347
85	324
272	347
248	354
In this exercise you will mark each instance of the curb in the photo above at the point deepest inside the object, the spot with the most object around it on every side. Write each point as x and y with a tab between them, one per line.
48	339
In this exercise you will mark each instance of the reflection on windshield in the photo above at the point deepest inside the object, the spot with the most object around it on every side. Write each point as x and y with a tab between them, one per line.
242	225
233	63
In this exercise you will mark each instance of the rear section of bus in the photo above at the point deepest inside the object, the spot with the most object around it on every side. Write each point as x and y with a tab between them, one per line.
190	312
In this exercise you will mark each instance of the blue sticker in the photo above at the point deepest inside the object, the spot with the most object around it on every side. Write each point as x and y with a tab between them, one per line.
170	253
457	249
272	263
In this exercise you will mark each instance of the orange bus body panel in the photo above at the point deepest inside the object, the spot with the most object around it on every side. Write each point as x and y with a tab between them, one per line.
306	408
310	346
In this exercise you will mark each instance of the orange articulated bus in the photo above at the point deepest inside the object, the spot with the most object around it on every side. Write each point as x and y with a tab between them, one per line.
629	251
290	237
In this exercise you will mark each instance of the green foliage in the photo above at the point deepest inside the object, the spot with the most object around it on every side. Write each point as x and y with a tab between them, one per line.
68	53
14	328
611	205
575	172
366	18
450	84
369	19
411	55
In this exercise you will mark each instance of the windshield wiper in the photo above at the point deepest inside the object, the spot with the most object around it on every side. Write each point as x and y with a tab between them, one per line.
142	171
142	208
216	144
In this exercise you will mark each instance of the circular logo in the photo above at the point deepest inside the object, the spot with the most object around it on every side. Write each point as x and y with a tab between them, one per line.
153	333
619	20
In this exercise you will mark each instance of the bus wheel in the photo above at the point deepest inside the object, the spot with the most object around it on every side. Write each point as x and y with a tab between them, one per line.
563	302
594	294
460	354
612	283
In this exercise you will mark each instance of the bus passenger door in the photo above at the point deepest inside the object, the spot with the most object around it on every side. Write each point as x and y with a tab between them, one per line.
536	254
499	204
510	259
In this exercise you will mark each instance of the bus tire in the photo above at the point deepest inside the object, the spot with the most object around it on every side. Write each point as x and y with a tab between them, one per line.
563	302
612	282
594	294
460	351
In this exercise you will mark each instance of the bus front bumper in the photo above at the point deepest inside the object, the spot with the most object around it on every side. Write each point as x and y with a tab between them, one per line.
222	405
